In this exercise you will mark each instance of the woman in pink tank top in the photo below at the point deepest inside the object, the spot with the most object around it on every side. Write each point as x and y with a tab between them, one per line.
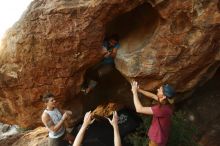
161	112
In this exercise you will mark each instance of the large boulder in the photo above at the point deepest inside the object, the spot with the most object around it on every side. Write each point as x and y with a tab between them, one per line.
174	42
54	42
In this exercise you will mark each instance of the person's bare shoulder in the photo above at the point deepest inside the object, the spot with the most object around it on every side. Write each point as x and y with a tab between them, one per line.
45	117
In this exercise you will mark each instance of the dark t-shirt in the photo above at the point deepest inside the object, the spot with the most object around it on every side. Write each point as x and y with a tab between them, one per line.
161	124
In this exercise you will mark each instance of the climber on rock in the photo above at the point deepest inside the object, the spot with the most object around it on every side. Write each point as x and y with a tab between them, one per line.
54	119
161	123
109	49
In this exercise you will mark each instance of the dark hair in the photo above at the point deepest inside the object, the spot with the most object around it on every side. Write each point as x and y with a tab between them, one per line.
45	98
165	102
114	37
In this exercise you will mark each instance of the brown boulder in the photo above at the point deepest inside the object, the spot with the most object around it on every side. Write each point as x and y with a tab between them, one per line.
36	137
175	42
54	42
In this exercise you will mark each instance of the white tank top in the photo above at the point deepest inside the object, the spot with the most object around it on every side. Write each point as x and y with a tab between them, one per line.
55	116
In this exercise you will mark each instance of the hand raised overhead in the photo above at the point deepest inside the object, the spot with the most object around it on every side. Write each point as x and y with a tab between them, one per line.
134	86
114	121
88	119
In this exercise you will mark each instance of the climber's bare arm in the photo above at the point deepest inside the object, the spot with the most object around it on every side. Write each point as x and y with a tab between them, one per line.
114	52
148	94
66	111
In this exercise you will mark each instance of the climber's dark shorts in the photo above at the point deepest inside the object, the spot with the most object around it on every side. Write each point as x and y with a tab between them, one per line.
58	141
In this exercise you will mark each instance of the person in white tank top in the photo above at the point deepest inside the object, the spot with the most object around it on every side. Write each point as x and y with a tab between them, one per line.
53	120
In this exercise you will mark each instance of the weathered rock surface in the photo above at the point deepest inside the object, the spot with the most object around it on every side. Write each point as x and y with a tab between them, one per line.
49	49
8	141
203	110
5	128
36	137
54	42
177	44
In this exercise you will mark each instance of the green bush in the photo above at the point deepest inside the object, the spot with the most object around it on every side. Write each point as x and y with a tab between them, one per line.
20	129
183	133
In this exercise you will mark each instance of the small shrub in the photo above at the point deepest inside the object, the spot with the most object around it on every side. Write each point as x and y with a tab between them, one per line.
20	129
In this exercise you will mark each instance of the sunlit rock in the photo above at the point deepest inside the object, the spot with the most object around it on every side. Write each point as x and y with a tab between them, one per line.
54	42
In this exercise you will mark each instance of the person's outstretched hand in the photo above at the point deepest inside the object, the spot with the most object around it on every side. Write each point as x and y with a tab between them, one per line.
134	86
114	121
87	119
69	112
86	122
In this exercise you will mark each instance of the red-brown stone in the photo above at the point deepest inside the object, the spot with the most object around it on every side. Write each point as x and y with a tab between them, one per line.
54	42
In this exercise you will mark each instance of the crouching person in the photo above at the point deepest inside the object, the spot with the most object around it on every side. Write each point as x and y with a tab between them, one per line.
54	120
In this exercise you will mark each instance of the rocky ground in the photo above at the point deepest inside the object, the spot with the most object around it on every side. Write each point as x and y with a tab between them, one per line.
9	134
15	136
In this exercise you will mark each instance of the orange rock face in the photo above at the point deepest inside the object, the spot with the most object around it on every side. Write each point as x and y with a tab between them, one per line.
54	42
175	42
